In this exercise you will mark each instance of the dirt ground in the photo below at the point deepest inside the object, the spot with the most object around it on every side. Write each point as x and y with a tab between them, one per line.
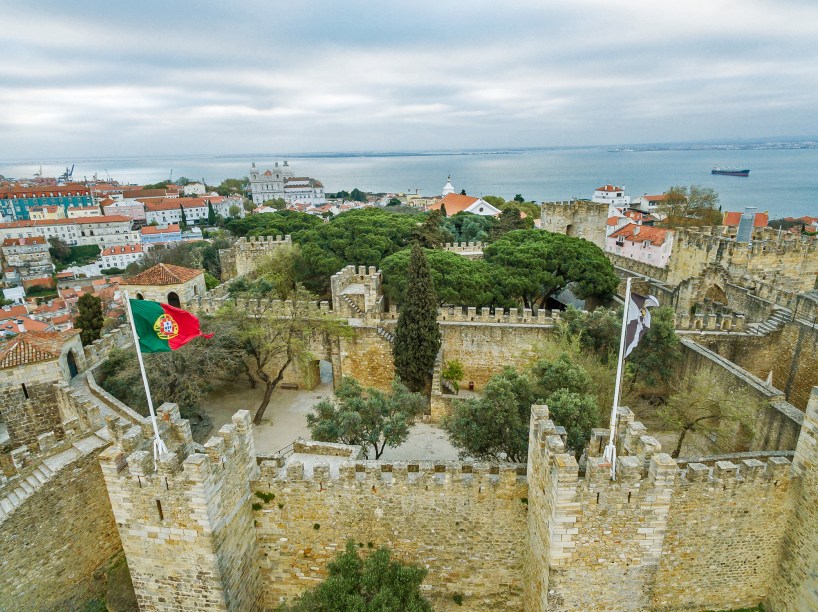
695	444
286	419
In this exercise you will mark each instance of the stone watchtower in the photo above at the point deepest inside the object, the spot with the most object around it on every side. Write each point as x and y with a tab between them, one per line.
356	292
187	526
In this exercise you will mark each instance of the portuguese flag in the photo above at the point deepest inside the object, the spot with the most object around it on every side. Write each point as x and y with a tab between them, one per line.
162	327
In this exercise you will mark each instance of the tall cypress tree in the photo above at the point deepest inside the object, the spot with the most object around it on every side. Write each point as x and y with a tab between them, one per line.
417	337
211	214
182	218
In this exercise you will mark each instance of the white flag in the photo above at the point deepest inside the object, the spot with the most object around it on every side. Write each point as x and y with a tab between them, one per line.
638	319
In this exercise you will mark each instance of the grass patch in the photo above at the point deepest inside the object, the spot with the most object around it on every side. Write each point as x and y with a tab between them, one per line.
265	497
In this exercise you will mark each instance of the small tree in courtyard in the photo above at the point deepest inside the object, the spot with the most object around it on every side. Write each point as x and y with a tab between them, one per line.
417	336
366	417
90	319
374	584
453	372
494	427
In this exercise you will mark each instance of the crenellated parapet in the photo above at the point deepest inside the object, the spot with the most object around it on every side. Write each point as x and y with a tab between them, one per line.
356	292
243	256
471	314
185	520
470	250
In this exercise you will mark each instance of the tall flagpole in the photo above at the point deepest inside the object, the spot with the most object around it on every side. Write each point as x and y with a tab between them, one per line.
610	450
158	446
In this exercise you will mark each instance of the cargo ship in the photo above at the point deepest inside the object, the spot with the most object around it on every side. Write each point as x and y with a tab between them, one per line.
730	171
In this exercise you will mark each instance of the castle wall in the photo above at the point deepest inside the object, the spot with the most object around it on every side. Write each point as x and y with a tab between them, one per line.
484	350
242	258
463	523
51	544
366	356
580	218
188	292
28	417
778	424
187	528
664	535
796	583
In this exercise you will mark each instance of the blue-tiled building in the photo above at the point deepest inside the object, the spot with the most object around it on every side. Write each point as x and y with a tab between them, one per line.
15	202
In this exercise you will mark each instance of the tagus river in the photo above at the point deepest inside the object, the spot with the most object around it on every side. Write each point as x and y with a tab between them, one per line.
782	181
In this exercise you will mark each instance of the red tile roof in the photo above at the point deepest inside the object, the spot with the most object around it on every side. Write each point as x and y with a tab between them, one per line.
78	220
609	188
454	203
641	233
12	312
34	346
23	241
163	274
123	250
48	191
155	229
175	203
731	219
655	198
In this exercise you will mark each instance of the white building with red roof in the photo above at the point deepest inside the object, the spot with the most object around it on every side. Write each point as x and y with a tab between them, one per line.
121	256
455	203
612	195
650	245
98	230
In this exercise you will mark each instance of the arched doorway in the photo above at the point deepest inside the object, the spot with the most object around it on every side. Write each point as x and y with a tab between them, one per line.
139	296
715	294
72	364
173	300
569	229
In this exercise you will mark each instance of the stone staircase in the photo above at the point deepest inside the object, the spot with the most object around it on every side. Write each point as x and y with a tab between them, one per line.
779	317
447	385
387	335
352	305
19	489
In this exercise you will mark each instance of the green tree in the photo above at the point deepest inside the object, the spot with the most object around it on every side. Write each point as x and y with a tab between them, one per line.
394	202
453	372
283	223
656	358
59	250
597	331
536	265
462	192
509	220
690	206
90	318
211	214
702	403
495	201
456	279
566	388
232	186
182	218
277	203
357	195
234	211
366	417
519	198
431	234
417	334
270	339
358	237
468	227
443	210
495	426
374	584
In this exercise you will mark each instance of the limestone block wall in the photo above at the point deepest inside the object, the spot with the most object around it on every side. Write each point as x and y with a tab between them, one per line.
51	544
367	356
663	535
464	523
776	427
243	256
188	292
29	413
796	583
580	218
187	528
484	350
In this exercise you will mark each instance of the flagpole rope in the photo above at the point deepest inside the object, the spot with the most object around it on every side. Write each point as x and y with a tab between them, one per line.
610	450
159	447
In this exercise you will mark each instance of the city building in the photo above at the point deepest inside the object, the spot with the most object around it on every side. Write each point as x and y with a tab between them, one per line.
194	189
613	196
29	256
76	212
42	213
648	203
156	234
280	182
121	256
132	208
650	245
732	218
455	203
100	230
168	284
170	211
16	202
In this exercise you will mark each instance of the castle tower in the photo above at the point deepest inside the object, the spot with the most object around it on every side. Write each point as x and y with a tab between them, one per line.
796	587
186	527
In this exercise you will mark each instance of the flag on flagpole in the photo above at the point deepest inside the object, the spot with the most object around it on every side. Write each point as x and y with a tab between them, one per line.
162	327
638	319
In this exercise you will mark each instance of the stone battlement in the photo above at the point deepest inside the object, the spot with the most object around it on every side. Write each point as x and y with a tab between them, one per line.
263	241
242	257
400	473
470	250
471	314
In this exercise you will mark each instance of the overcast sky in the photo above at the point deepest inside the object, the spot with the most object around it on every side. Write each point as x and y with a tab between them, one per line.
145	77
